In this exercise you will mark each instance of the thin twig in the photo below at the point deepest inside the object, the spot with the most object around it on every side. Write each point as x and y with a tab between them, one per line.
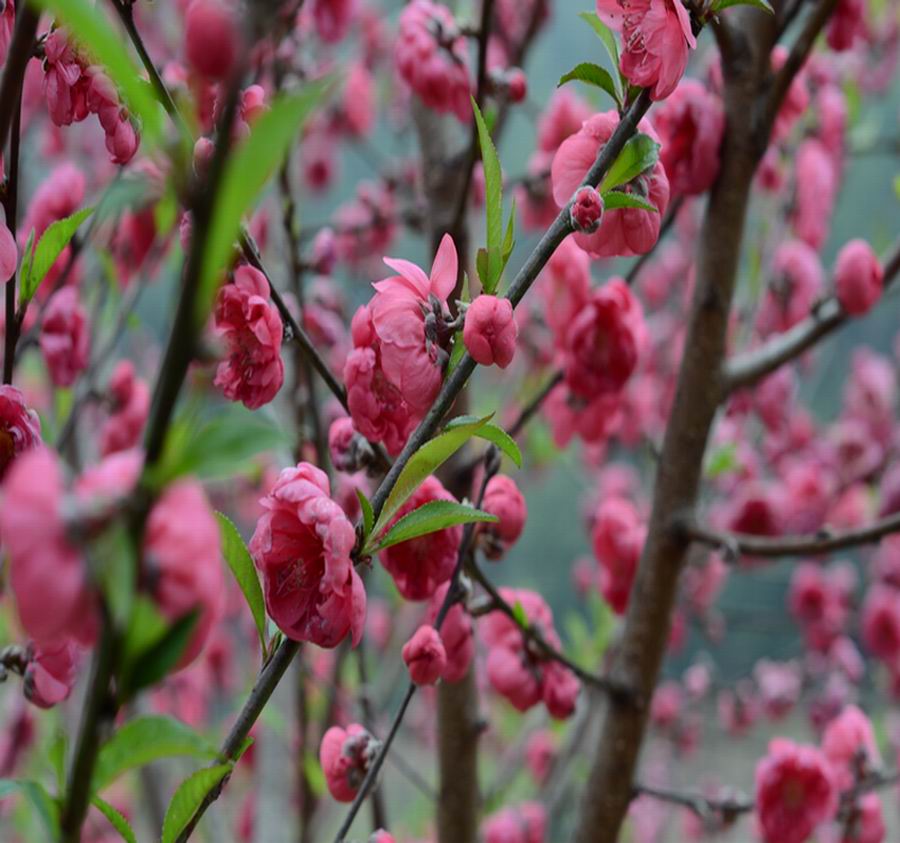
10	207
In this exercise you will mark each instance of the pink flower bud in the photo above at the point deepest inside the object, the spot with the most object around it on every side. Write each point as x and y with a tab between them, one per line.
253	103
503	499
425	656
65	337
204	149
9	253
345	756
490	331
858	277
211	38
587	210
516	84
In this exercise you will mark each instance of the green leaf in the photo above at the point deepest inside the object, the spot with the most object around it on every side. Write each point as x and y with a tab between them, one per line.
491	433
158	660
115	569
147	739
481	267
423	463
604	33
592	74
722	461
106	46
493	186
56	755
431	517
367	513
759	4
509	239
36	265
145	628
639	154
314	775
615	199
519	614
116	820
44	805
187	798
218	448
246	173
238	558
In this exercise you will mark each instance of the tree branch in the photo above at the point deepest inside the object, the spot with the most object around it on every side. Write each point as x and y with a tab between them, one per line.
748	368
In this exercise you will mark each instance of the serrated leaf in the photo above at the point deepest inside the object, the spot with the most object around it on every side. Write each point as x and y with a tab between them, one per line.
592	74
759	4
247	171
187	798
147	739
158	660
639	154
44	805
241	564
431	517
105	46
423	463
367	513
493	192
116	819
56	237
492	433
615	199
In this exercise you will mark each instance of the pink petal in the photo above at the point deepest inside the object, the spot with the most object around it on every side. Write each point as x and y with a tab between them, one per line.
445	269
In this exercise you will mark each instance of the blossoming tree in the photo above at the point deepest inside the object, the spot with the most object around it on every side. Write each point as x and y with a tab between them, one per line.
233	508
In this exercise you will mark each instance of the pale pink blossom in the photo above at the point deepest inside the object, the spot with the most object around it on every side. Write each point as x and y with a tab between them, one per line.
51	673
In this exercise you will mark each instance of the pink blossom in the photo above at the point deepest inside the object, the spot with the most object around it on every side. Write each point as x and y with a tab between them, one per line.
627	231
456	635
604	341
797	281
780	685
359	101
657	38
816	193
490	331
540	753
129	396
302	546
211	38
420	565
51	673
9	252
587	210
847	24
65	337
794	792
618	538
564	116
64	84
866	823
7	23
881	623
333	18
251	328
59	196
525	823
503	499
564	287
183	560
424	656
858	277
690	124
850	748
20	427
431	55
345	756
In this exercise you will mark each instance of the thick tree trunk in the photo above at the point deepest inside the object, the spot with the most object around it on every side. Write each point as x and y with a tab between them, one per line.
648	620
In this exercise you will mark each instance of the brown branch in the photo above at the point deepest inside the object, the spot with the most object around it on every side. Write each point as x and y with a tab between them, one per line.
748	368
825	541
725	808
13	324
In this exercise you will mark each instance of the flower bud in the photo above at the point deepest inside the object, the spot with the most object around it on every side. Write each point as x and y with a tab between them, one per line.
858	278
425	656
490	331
587	210
211	38
516	84
345	756
503	499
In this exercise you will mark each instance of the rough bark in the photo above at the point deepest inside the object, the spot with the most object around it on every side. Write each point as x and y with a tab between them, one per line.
648	621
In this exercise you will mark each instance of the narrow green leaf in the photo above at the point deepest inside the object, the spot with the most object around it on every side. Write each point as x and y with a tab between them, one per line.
431	517
158	660
608	37
367	513
519	614
187	798
759	4
147	739
27	261
246	173
491	433
146	627
116	820
614	199
592	74
424	462
106	46
44	805
493	186
639	154
481	266
509	239
56	755
49	247
239	560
